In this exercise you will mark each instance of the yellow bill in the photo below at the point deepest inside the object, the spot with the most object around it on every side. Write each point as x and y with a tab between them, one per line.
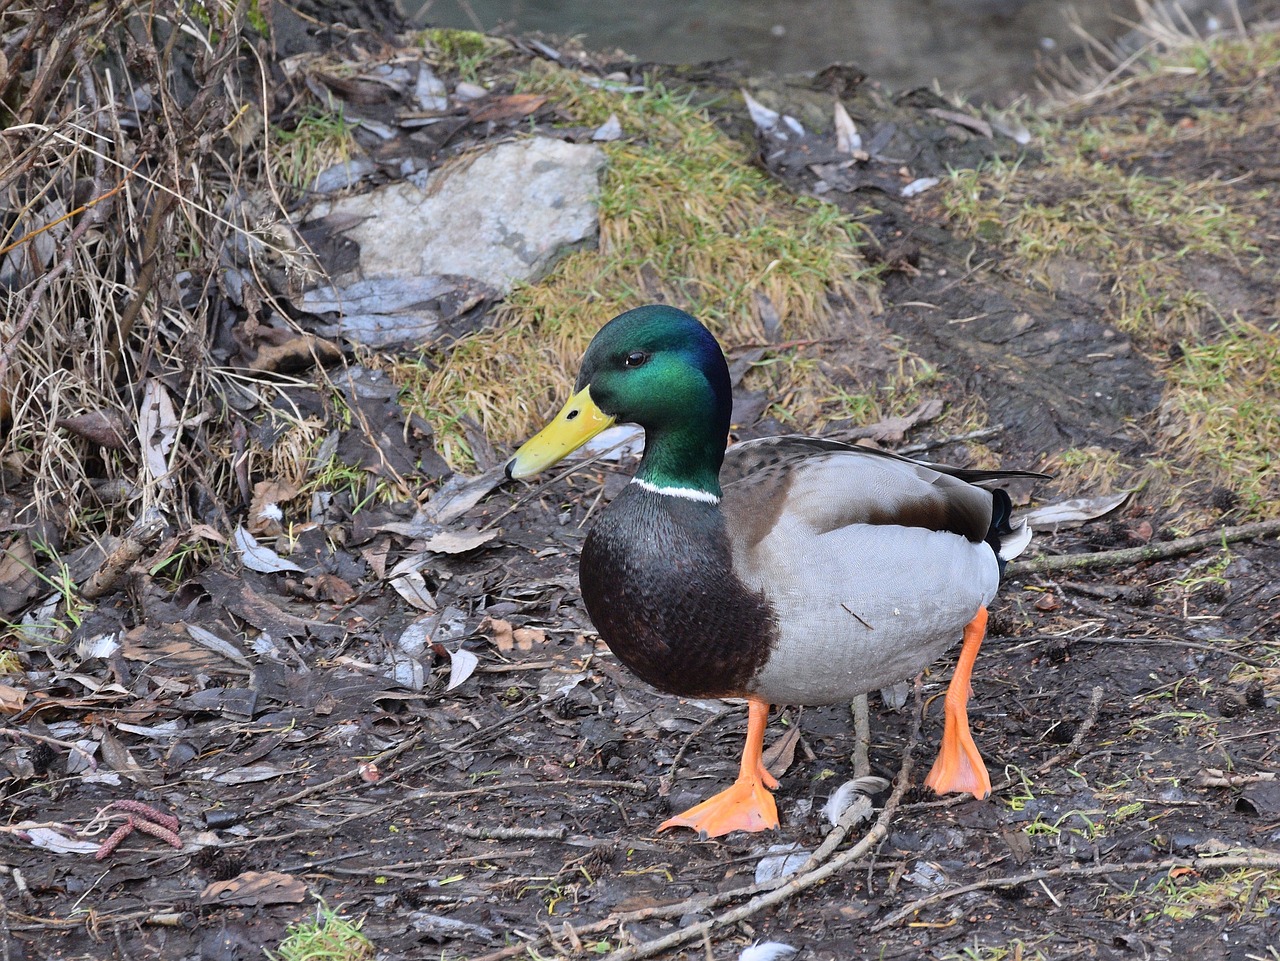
578	421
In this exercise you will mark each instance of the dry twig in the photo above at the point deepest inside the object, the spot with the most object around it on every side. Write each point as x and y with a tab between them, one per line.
1147	552
1200	865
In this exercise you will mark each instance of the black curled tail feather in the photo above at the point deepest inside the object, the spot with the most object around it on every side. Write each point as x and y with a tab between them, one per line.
1005	540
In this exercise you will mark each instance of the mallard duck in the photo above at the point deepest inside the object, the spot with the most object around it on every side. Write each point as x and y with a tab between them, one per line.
787	570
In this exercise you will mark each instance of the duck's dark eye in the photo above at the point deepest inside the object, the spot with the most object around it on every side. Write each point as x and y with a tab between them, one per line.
635	358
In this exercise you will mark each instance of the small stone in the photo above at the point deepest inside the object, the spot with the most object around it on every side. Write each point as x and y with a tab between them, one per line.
467	91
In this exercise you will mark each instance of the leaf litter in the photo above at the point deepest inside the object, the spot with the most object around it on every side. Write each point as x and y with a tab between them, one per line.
460	759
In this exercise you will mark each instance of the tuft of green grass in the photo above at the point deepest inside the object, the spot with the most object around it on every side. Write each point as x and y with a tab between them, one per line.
1015	950
1089	470
1119	211
330	937
685	218
1221	408
1238	895
1137	233
316	141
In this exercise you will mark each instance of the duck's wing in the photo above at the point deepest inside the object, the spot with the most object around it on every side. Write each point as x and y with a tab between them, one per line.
827	485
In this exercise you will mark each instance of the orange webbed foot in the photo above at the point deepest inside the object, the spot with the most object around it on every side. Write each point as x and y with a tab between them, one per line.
745	806
959	767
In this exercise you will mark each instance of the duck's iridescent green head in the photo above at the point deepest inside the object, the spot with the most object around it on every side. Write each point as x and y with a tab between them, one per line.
659	368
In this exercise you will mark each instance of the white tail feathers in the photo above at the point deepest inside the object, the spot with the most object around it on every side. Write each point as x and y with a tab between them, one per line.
1014	543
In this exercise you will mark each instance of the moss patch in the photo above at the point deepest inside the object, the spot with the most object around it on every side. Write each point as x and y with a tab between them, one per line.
1139	233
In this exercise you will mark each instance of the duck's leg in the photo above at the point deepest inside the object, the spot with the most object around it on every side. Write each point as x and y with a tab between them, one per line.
747	805
959	766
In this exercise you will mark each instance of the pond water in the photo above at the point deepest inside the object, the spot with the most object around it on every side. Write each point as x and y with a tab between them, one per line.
988	49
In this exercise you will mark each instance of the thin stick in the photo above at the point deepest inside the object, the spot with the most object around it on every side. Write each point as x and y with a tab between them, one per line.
351	775
1086	725
667	780
953	439
1148	552
861	736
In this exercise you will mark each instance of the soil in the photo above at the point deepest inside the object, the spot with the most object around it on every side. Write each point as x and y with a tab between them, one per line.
278	718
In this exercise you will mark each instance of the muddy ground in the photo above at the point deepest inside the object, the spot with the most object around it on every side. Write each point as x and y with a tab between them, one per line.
1128	713
523	804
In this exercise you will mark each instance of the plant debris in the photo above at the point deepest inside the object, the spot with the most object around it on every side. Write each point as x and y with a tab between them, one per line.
278	630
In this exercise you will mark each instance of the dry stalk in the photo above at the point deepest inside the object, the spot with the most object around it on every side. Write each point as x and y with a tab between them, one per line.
128	208
1147	552
1200	865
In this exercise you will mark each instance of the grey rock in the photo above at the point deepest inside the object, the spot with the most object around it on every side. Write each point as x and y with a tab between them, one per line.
503	218
430	91
386	311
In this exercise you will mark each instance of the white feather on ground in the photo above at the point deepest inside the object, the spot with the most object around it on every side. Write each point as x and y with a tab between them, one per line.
767	951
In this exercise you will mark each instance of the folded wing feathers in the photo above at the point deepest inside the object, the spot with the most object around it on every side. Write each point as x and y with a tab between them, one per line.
828	501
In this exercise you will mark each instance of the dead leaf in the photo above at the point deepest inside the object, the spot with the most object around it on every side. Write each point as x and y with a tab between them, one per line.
412	586
892	430
375	555
462	664
19	582
168	645
255	888
52	839
458	542
157	431
779	861
11	699
511	107
206	533
848	140
1047	603
296	355
258	558
782	752
251	774
459	494
503	634
527	637
241	599
118	758
976	124
1018	843
104	428
265	512
330	587
355	89
216	644
1073	512
764	118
